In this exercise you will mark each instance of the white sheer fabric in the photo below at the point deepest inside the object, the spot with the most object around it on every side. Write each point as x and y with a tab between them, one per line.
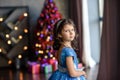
87	59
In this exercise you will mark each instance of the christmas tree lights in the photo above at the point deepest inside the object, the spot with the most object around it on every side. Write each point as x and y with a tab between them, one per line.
44	31
0	50
1	19
14	28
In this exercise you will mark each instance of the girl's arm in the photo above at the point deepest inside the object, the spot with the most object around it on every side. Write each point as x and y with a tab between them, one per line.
72	71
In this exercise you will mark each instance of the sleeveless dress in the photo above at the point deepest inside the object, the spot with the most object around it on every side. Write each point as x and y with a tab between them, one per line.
62	73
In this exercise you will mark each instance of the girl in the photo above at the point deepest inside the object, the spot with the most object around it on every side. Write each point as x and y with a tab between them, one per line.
64	38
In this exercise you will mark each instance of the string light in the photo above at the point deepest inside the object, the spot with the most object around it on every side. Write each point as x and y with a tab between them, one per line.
25	48
20	36
39	45
47	51
46	56
25	14
1	19
15	28
38	33
36	45
9	41
40	52
10	62
19	56
53	58
48	38
0	50
7	36
51	55
26	30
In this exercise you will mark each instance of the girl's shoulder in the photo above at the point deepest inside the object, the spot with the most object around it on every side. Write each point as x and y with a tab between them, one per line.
68	51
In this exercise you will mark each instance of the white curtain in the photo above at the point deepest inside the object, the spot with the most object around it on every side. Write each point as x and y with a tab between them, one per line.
87	59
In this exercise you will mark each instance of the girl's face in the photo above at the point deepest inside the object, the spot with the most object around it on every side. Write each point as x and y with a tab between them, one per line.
68	33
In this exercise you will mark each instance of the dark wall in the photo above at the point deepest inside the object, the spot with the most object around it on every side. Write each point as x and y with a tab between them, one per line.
35	7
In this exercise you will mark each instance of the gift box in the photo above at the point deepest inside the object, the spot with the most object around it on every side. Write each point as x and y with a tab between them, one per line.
54	64
80	65
46	68
52	61
33	67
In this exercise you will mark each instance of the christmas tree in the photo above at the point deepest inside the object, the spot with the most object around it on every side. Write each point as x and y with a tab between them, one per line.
44	31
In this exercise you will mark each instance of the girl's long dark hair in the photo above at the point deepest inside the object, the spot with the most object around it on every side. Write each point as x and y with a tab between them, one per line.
57	30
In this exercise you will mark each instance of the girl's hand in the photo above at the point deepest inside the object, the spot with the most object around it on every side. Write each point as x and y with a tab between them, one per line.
83	73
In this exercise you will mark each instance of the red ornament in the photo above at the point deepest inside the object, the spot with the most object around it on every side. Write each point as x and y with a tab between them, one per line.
48	6
39	58
42	15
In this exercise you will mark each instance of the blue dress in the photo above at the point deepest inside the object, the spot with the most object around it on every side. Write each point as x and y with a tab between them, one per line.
62	73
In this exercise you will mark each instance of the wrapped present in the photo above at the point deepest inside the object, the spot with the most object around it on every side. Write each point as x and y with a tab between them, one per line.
46	68
52	61
80	65
33	67
54	64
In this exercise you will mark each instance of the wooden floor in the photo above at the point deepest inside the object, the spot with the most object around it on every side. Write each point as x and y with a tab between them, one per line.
10	74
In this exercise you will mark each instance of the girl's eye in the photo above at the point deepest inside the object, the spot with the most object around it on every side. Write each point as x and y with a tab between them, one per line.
73	30
66	30
69	30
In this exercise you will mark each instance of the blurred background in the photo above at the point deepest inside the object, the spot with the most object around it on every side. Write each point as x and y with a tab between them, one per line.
26	36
